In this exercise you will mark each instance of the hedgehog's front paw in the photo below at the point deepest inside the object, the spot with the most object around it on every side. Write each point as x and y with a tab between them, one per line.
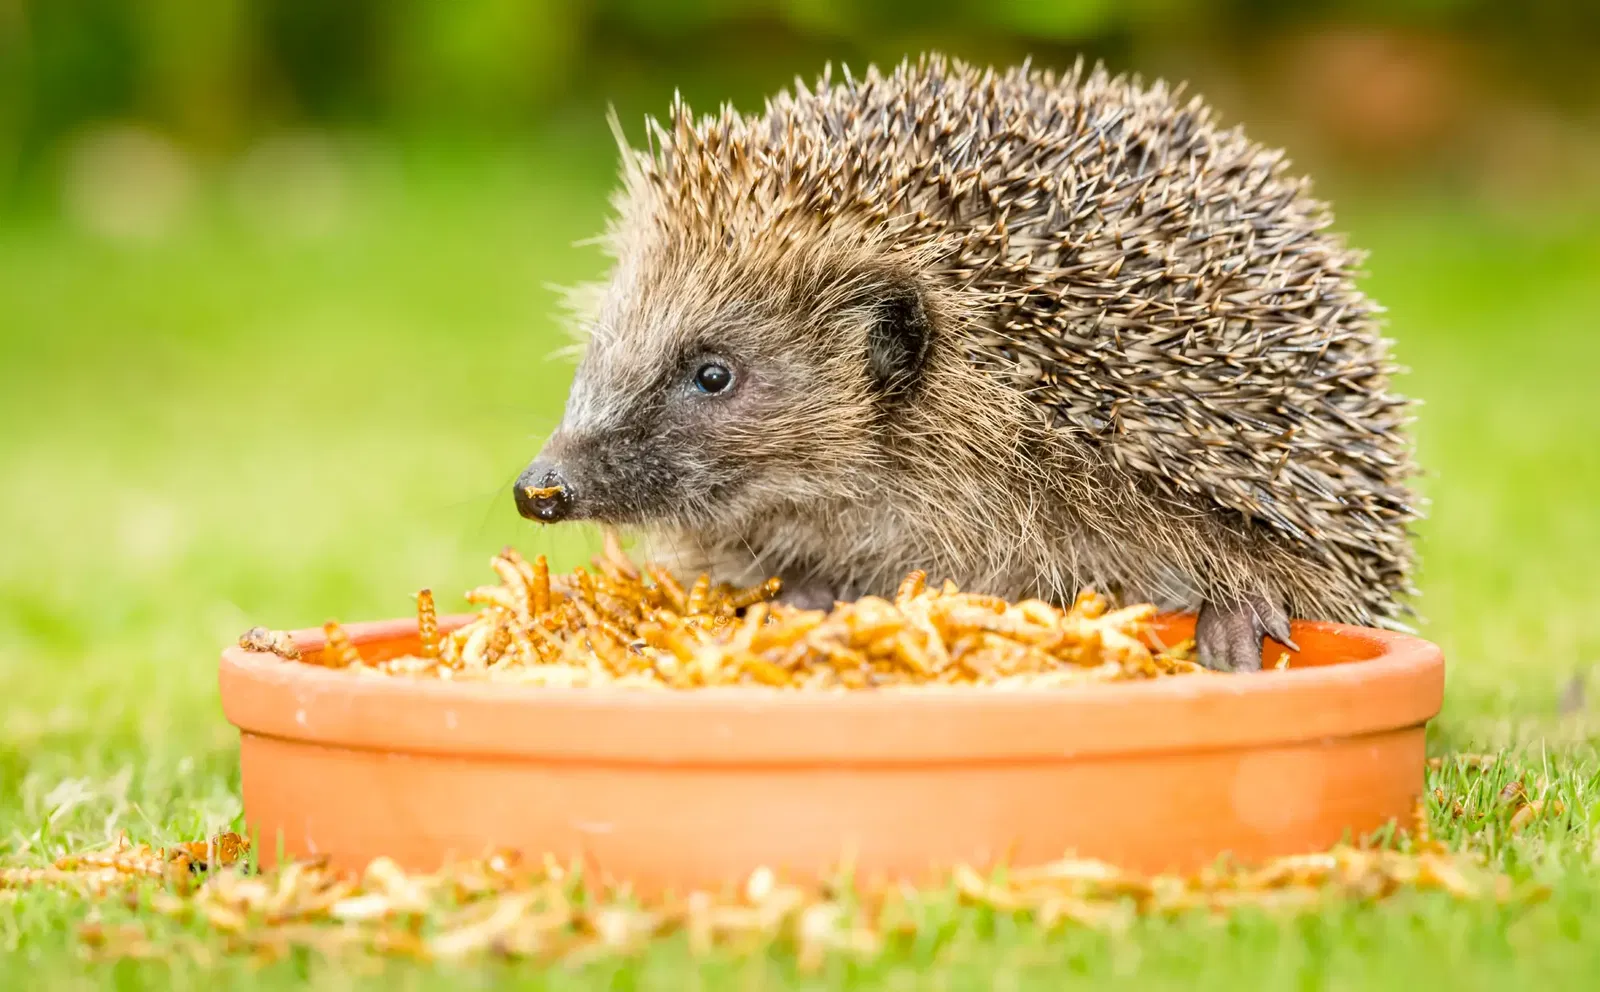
1230	629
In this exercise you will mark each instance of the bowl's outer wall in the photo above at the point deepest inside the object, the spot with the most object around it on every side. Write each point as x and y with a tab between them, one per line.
677	827
673	790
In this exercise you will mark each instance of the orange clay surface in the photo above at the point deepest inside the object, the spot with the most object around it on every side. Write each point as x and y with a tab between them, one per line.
698	788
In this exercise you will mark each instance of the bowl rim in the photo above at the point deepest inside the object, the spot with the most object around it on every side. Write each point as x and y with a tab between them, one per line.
1396	681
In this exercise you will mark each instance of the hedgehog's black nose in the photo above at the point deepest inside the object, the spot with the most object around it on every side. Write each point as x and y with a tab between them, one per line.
543	494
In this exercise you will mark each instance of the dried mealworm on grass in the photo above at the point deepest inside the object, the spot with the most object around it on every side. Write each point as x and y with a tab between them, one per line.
1473	762
1526	813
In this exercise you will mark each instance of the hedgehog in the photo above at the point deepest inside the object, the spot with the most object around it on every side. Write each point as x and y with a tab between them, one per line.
1030	331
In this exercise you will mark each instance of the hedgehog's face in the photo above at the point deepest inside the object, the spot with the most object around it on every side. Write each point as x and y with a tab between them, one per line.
709	399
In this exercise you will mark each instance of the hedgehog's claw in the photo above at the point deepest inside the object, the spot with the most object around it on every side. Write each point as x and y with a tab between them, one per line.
1229	632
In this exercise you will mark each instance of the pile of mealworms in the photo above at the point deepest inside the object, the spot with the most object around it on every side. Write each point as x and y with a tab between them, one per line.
620	625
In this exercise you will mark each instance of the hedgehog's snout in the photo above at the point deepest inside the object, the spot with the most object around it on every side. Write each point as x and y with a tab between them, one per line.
543	493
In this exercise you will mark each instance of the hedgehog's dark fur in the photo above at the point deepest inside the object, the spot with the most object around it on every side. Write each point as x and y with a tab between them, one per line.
1147	367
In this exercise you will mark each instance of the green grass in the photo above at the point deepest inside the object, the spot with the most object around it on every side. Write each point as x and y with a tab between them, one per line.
235	426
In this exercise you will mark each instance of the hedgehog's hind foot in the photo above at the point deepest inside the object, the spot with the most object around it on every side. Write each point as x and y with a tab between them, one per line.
1229	632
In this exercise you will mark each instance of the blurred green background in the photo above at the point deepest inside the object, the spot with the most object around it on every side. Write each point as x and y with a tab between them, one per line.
275	311
1471	94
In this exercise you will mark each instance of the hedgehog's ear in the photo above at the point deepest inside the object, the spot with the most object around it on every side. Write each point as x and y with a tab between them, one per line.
898	341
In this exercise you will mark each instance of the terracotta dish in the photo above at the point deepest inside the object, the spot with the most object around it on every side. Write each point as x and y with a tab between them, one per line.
698	788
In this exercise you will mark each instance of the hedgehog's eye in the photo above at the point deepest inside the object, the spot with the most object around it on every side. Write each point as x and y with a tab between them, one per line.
713	378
